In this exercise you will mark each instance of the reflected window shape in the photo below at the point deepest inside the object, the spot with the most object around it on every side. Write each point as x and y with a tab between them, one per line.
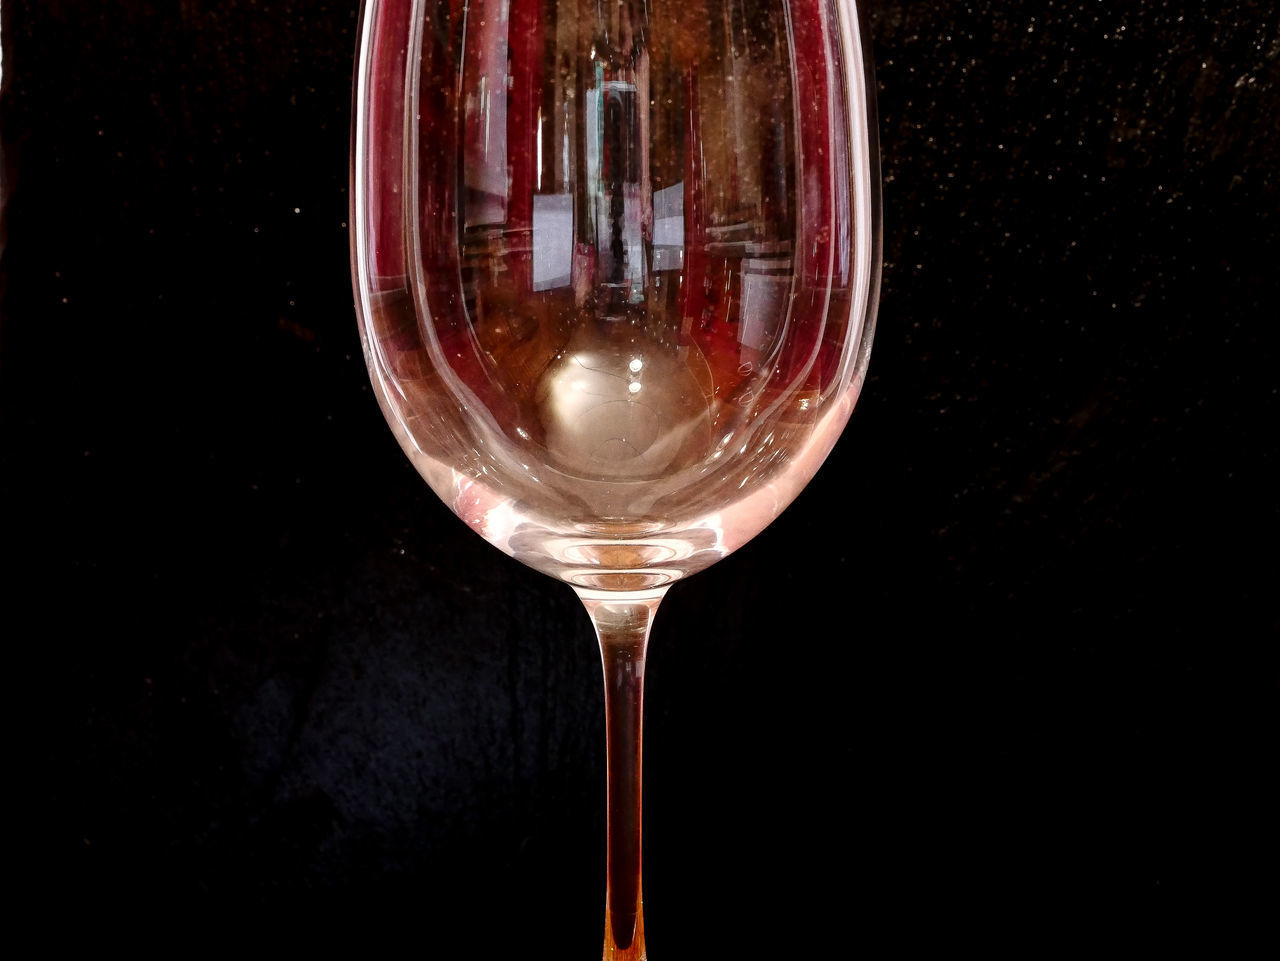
668	227
614	136
766	286
485	114
552	241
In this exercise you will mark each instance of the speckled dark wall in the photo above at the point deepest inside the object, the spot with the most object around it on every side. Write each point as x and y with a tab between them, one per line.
1006	670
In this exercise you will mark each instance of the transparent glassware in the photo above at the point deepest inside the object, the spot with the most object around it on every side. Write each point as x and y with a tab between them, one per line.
616	269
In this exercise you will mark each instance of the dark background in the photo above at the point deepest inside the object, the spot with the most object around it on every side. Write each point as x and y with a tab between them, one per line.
1005	674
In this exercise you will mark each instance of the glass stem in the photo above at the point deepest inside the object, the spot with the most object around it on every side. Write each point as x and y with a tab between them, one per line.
622	623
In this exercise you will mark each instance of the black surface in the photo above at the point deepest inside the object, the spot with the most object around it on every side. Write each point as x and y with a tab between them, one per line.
1004	675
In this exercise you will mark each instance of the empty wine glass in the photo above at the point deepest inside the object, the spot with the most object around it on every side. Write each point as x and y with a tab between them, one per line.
616	268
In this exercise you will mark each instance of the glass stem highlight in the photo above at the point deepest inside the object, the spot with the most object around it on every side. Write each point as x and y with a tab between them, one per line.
622	624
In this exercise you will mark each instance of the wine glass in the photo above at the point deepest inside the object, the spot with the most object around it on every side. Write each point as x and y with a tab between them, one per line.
616	268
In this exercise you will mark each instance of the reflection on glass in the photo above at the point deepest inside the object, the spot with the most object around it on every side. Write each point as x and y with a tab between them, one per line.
617	265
